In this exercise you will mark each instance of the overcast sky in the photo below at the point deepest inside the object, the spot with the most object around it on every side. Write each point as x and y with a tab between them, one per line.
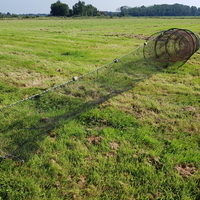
43	6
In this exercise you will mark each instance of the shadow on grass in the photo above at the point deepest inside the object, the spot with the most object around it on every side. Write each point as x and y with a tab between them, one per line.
25	142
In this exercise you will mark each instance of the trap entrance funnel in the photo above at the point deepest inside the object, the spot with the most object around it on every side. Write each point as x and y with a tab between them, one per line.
171	47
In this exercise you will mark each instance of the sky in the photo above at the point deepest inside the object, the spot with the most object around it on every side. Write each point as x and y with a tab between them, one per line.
43	6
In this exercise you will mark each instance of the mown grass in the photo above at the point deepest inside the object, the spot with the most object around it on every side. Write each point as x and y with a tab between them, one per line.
141	144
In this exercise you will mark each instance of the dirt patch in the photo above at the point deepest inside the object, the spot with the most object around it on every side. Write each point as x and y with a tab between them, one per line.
44	29
110	154
95	140
185	170
138	36
16	53
155	161
114	145
25	78
81	182
190	109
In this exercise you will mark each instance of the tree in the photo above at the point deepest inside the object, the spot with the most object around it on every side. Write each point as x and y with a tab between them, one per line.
161	10
198	11
124	10
90	10
59	9
78	8
194	11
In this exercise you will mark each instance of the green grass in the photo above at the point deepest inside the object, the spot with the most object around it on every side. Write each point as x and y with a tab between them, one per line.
142	144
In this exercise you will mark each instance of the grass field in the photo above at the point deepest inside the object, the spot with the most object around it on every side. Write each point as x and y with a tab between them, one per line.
143	144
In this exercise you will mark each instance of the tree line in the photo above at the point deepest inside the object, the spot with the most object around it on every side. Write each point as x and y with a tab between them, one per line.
79	9
161	10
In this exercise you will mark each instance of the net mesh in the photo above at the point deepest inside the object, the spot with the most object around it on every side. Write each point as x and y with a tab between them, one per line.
24	124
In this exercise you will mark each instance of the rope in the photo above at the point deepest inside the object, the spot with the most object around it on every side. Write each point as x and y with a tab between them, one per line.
31	97
10	156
